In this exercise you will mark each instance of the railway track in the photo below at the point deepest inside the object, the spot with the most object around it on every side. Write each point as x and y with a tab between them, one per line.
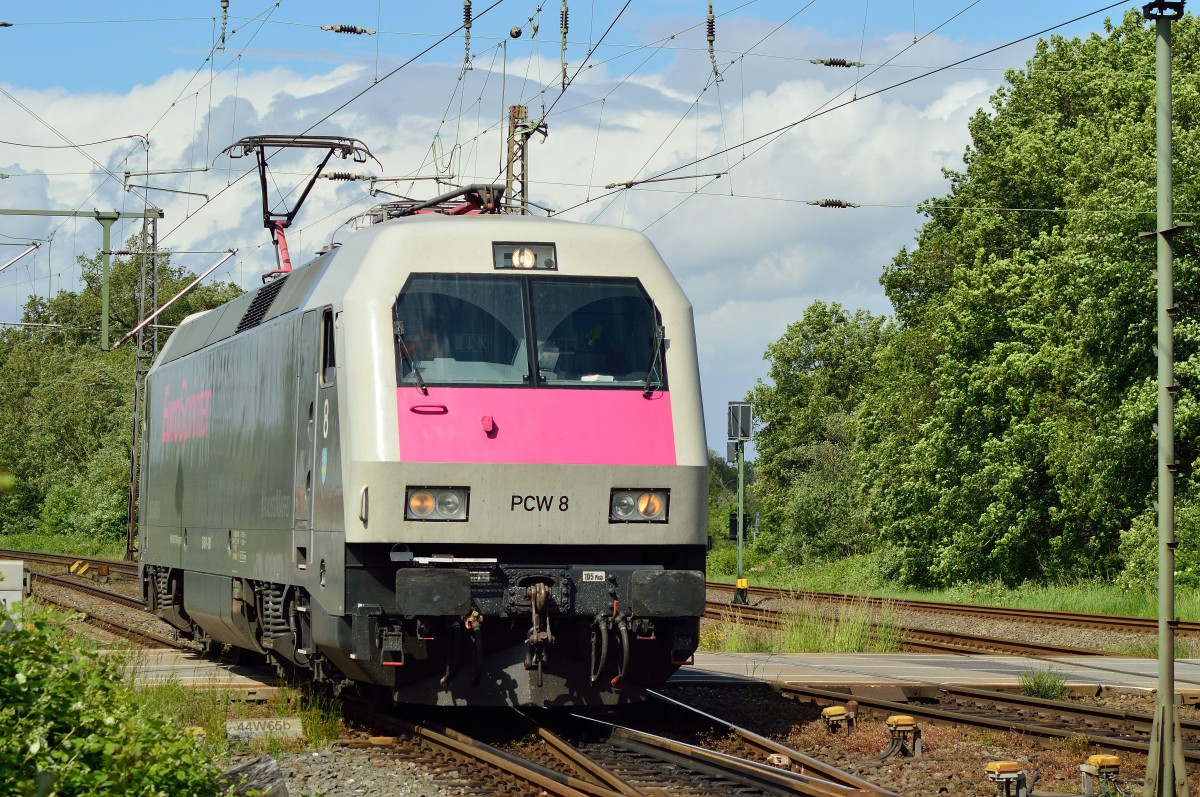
571	754
135	630
1096	719
116	567
1103	729
913	640
1045	616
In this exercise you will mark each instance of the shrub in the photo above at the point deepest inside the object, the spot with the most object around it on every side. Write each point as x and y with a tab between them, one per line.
72	725
1046	684
1139	549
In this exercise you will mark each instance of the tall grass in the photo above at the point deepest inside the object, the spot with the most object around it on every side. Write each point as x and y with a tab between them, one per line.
208	709
856	628
860	575
1049	684
69	544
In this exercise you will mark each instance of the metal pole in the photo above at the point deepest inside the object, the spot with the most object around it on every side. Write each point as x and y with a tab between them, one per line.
170	301
31	248
739	592
106	222
1165	773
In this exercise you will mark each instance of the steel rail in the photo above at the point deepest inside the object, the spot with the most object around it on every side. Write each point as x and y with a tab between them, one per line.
460	746
140	635
109	595
914	639
1113	716
773	780
1077	619
591	769
941	716
119	566
770	747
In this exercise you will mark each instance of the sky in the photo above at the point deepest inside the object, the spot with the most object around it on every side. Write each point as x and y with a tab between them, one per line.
92	91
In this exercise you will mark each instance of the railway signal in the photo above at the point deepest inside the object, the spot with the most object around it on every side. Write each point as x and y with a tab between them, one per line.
741	421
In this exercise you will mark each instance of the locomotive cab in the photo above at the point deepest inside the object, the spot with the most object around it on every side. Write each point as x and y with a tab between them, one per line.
486	484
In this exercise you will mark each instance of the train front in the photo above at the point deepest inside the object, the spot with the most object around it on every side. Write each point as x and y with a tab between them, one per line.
525	486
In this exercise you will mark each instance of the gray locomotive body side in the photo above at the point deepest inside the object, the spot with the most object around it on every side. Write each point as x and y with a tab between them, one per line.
279	459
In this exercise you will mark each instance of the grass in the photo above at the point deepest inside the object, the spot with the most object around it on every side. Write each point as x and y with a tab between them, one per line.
856	629
208	709
1049	684
860	575
69	544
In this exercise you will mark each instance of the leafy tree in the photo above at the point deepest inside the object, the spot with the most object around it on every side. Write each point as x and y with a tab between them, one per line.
1009	432
66	406
810	486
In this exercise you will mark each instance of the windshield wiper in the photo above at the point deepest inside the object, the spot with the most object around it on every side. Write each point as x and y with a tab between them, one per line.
659	331
398	329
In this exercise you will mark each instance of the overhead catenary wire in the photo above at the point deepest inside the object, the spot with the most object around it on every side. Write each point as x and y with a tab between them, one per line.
772	134
707	83
341	107
562	108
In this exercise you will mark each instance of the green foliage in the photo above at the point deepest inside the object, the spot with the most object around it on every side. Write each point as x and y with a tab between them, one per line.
66	406
810	486
1047	684
73	727
1008	432
722	494
1139	550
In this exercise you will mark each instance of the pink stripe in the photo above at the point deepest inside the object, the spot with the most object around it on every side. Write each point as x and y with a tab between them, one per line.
558	426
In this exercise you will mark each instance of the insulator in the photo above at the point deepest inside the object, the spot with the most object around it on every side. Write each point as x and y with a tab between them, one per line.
564	19
355	29
467	35
842	62
832	203
712	37
341	176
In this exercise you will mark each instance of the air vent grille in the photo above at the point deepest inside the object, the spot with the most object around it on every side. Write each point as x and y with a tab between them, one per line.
260	304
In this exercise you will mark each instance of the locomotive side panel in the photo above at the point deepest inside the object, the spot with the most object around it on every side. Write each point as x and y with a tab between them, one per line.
219	457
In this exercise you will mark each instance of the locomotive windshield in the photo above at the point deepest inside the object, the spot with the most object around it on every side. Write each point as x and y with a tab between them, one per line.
474	329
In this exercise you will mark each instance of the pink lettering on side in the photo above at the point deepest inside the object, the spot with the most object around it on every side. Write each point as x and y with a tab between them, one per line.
185	417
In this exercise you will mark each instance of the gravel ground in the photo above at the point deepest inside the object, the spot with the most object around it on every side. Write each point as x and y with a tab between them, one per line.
953	760
122	615
351	772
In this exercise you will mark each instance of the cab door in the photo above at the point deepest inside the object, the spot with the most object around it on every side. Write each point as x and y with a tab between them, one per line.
306	401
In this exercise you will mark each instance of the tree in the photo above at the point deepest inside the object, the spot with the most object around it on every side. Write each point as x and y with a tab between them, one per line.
1009	432
66	406
809	485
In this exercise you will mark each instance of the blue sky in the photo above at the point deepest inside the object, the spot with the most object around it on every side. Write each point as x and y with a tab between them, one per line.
747	249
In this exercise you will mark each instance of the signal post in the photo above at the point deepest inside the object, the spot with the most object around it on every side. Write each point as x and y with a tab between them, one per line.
741	421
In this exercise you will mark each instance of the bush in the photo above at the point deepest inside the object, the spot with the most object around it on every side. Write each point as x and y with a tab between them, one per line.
72	725
1046	684
1139	549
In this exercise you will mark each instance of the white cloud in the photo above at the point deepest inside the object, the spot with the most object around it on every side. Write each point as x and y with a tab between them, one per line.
749	265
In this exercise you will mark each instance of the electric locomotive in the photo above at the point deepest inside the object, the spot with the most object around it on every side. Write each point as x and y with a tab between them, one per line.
460	456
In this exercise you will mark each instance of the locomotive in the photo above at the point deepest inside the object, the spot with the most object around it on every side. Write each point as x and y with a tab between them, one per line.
459	457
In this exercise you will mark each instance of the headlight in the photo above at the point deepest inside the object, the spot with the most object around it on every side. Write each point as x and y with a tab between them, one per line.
639	506
436	503
524	255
